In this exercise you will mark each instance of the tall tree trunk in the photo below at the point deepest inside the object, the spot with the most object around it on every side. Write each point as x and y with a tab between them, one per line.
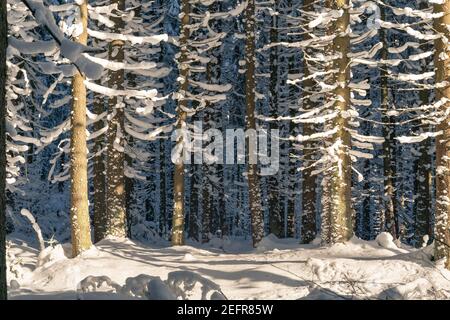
129	185
422	192
389	214
3	46
341	223
162	190
256	216
115	157
423	184
442	65
206	205
275	220
178	179
79	208
194	205
99	182
423	172
293	183
309	180
207	188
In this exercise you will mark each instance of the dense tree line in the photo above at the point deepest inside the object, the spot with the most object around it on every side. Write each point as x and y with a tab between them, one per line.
100	98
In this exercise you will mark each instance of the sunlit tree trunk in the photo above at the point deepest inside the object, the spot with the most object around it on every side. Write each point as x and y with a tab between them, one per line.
442	65
257	219
179	173
3	45
115	157
79	208
341	220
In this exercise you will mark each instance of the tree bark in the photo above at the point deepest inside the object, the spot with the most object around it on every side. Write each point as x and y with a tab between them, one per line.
3	46
79	209
162	190
341	223
442	65
423	186
256	216
206	205
273	183
194	204
115	158
178	179
99	182
309	181
389	217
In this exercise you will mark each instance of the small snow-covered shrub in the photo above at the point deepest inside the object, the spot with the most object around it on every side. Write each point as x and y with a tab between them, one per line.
386	240
189	285
51	255
182	285
92	284
137	286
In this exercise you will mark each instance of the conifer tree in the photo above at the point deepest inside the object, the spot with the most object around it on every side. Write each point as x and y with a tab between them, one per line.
3	46
79	209
256	216
442	67
115	158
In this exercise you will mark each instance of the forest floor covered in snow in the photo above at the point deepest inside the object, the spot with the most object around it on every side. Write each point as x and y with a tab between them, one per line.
278	269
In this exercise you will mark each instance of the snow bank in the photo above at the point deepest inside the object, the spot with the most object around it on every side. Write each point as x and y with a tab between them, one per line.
124	269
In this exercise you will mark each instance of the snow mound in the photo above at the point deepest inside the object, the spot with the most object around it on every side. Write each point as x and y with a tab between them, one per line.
188	257
51	255
272	242
386	240
418	289
184	285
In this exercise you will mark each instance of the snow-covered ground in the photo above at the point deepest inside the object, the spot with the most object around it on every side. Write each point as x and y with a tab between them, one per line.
278	269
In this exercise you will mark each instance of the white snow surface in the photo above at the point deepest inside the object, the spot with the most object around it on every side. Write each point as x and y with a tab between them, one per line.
278	269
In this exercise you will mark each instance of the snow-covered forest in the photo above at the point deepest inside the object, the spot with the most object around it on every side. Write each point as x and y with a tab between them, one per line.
212	149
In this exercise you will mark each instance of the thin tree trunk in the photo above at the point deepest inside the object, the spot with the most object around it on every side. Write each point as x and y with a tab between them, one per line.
162	190
79	208
293	183
341	180
206	206
442	65
389	214
424	177
3	46
178	179
193	208
256	216
423	185
309	180
99	182
275	220
207	189
129	183
115	158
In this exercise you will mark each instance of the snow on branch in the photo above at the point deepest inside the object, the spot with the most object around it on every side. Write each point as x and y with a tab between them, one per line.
69	49
153	40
